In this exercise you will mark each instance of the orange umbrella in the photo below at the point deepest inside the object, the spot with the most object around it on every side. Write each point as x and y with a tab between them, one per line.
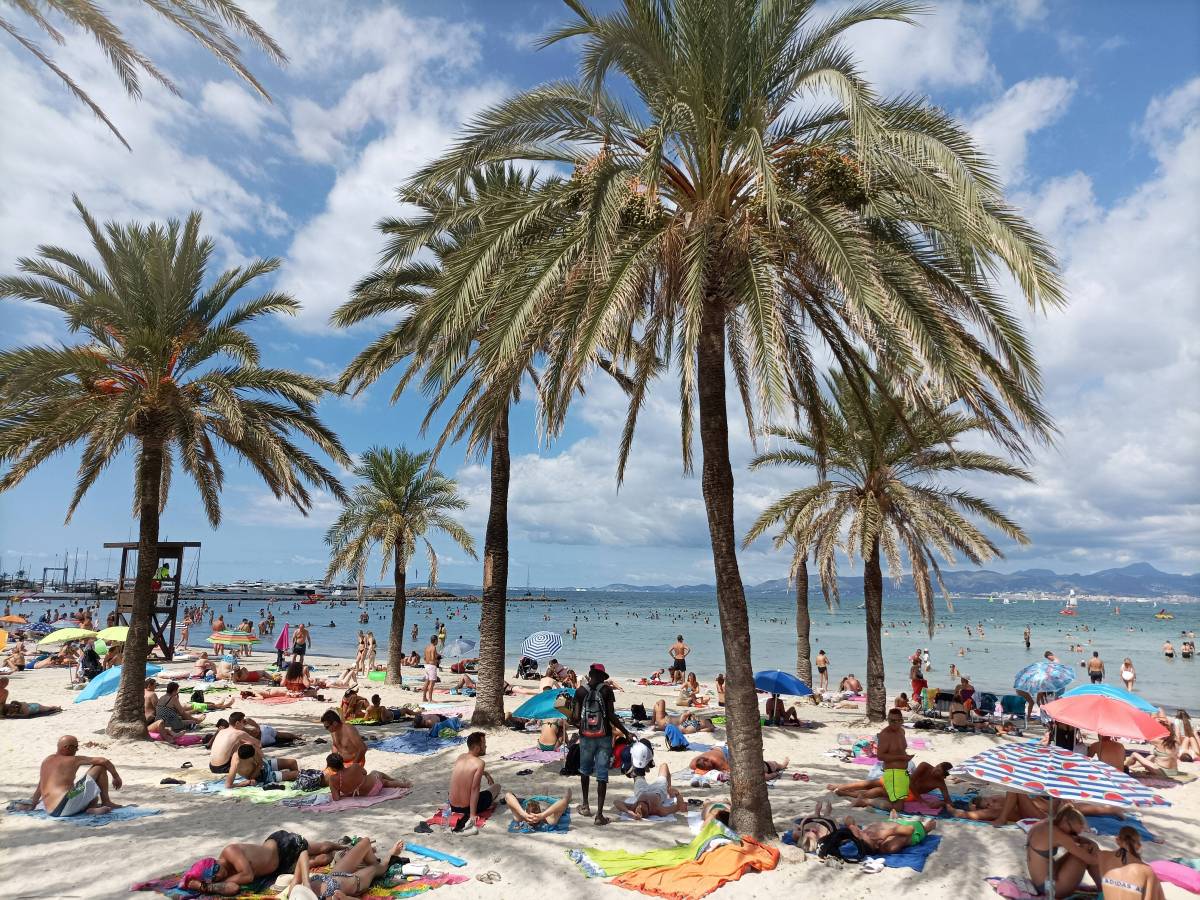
14	620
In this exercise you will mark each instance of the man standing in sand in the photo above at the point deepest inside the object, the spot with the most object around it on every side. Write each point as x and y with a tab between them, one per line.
466	797
432	659
1095	668
60	794
892	750
678	652
593	711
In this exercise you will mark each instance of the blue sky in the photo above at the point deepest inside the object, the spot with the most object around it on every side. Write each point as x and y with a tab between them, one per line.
1090	109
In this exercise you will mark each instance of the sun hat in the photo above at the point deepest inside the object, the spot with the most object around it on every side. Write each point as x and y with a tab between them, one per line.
641	756
599	667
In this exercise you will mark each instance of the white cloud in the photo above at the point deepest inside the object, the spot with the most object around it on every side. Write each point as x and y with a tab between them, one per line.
1003	127
228	101
1025	12
257	506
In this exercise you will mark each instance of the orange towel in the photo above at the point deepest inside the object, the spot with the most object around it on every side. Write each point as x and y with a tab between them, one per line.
700	877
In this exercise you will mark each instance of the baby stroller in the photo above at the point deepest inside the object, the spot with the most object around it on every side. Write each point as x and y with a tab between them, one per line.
527	668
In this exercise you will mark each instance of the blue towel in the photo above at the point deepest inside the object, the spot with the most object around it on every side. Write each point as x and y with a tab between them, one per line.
676	739
117	815
562	826
1110	825
419	743
913	857
699	746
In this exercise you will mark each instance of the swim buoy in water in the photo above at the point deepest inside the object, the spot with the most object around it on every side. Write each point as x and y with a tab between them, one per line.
377	675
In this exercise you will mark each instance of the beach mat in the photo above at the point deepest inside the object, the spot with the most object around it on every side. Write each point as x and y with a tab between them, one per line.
168	886
562	826
480	818
253	793
418	743
535	754
914	743
913	857
321	803
124	814
699	877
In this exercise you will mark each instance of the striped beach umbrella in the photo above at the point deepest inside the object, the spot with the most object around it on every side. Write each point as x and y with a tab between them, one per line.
1056	774
542	645
1043	677
232	637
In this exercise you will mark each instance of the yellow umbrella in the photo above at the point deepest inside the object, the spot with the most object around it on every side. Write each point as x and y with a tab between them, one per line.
14	620
3	638
66	634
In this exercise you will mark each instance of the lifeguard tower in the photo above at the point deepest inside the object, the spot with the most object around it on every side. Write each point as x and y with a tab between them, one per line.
166	603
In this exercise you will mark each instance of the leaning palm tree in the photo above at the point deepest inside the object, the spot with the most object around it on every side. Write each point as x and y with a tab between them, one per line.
799	577
206	21
755	204
167	368
399	499
880	488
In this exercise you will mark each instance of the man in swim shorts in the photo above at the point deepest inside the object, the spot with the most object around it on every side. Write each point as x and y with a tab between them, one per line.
250	767
227	741
431	659
61	794
467	796
678	653
892	750
240	865
892	836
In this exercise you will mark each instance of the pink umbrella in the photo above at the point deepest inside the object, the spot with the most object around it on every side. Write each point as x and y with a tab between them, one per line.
282	643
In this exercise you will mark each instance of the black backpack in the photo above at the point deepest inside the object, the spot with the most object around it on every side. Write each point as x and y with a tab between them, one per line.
844	845
571	763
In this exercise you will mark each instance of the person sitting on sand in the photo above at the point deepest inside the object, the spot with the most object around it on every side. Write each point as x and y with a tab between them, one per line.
16	659
202	665
891	835
171	712
904	704
1046	838
296	680
227	741
467	683
355	781
60	793
807	832
201	704
850	684
924	779
413	659
354	871
689	692
552	735
377	712
248	767
1108	750
345	738
352	705
688	722
467	797
1124	875
531	812
717	759
650	798
1164	762
960	717
777	715
240	865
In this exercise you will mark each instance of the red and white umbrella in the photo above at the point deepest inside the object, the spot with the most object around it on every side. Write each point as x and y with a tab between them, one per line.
1106	716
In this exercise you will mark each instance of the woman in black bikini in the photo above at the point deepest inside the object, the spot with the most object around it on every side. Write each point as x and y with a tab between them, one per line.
1047	838
353	871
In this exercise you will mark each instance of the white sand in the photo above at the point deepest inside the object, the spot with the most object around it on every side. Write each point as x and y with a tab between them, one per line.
41	858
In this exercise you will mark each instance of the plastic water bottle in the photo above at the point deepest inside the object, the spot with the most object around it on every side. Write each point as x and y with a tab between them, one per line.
446	817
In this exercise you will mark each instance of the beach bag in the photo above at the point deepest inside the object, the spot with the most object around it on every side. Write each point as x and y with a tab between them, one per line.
842	844
638	711
310	780
571	763
591	716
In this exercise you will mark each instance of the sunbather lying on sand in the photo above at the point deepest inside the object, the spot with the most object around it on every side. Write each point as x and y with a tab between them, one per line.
532	812
239	865
17	709
718	759
924	779
891	836
1004	809
354	871
355	781
653	798
688	722
808	831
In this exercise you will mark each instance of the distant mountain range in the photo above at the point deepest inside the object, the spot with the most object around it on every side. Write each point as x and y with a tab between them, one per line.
1136	580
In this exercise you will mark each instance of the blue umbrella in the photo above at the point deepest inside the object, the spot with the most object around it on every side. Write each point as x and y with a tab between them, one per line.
774	681
1104	690
107	681
541	706
542	645
459	647
1043	677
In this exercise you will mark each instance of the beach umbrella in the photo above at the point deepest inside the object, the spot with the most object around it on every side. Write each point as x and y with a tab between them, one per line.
41	628
1106	716
14	620
117	634
542	645
1043	677
284	640
66	634
541	706
1056	774
108	681
773	681
1106	690
459	647
3	638
232	637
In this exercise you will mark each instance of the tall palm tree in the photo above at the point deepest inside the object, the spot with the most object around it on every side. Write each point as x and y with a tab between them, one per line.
755	205
167	369
399	499
880	487
799	576
207	21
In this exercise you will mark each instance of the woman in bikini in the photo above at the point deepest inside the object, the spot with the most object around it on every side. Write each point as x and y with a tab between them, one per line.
808	831
353	873
551	736
1044	841
1124	875
360	658
355	781
1185	733
1164	761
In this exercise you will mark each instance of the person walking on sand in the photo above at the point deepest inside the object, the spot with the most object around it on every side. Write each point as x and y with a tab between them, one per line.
893	753
1095	668
432	659
467	797
594	713
822	662
678	653
61	794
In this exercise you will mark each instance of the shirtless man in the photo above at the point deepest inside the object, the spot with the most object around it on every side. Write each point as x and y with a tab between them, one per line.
1095	668
678	653
892	751
466	796
355	781
851	684
60	793
688	722
924	779
717	759
346	739
1109	751
822	663
268	735
532	813
891	836
240	865
249	768
227	741
432	659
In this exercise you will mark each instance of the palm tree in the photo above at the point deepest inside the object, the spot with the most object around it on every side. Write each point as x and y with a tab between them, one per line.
400	498
799	576
879	486
755	206
205	20
167	368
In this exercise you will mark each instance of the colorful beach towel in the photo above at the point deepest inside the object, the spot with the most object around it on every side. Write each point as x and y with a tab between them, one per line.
168	886
536	754
322	803
1165	781
480	818
914	743
596	863
123	814
253	793
913	857
562	826
698	878
411	887
418	743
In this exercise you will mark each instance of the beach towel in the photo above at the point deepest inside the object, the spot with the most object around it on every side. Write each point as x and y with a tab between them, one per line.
411	887
914	743
913	857
596	863
418	743
168	886
562	826
180	740
1165	781
535	754
700	877
276	701
699	746
1018	887
480	818
322	803
124	814
253	793
1110	825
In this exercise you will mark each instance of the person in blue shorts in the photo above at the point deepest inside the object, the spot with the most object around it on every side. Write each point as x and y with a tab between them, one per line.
593	711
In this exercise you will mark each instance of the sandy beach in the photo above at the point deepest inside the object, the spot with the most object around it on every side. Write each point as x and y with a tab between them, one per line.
44	858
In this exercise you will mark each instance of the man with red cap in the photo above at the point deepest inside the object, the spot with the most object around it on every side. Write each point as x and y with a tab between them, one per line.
594	712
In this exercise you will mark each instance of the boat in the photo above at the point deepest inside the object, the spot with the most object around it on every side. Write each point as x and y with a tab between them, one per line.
1071	608
1163	614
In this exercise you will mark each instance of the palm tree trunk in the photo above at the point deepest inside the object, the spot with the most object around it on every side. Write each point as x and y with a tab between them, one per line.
748	788
396	635
489	699
873	596
803	623
127	719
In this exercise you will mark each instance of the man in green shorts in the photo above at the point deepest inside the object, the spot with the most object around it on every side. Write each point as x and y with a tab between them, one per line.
892	750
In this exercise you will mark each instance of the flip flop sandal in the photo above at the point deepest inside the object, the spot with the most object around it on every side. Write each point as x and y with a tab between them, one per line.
800	776
187	765
423	828
525	772
488	877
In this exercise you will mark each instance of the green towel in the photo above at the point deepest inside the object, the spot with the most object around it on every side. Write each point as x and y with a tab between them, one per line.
608	863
